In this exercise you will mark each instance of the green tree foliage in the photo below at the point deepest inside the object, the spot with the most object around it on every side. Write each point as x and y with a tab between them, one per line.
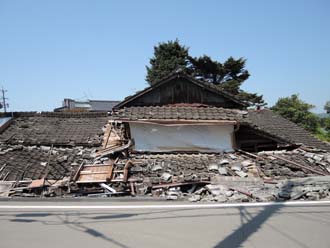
298	111
327	124
168	57
229	76
327	107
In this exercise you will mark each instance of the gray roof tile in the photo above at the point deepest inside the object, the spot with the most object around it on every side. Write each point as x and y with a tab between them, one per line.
19	162
55	128
178	113
273	124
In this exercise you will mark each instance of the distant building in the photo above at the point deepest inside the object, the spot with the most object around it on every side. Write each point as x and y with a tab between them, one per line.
86	106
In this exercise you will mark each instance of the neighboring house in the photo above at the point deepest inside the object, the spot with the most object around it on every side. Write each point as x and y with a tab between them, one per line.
88	105
180	113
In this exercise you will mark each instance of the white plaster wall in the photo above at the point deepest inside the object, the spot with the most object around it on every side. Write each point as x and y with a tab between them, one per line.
161	138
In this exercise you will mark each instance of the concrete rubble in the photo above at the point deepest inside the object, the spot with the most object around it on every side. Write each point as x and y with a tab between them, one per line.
309	188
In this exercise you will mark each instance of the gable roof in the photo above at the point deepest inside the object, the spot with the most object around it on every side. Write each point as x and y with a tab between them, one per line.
273	124
208	86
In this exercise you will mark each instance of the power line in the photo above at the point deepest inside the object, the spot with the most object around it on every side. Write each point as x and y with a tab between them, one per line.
4	105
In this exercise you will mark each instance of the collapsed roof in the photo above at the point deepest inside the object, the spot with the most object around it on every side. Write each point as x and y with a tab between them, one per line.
18	162
58	129
49	144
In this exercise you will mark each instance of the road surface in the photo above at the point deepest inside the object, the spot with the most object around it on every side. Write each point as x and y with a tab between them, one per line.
162	224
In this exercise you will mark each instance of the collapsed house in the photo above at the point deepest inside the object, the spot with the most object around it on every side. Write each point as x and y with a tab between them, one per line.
47	145
179	137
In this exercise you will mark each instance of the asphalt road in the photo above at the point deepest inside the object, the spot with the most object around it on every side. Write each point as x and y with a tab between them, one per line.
90	225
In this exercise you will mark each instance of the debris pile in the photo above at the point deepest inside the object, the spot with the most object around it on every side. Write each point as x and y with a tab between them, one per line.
228	177
310	188
296	163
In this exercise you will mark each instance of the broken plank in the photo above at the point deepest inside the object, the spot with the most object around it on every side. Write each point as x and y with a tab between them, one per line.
92	181
243	192
110	173
38	183
93	172
95	165
132	186
75	177
300	166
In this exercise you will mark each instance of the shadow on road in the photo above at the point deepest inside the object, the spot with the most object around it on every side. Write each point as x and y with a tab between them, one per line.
251	225
90	231
248	227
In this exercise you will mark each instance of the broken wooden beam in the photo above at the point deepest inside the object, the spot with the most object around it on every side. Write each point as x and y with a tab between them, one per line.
243	192
299	165
132	186
75	177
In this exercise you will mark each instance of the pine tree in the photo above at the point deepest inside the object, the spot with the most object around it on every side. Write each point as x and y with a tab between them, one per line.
228	76
168	57
172	56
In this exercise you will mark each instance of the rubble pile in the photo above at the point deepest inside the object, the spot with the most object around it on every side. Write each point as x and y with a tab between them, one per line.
165	168
197	177
310	188
296	163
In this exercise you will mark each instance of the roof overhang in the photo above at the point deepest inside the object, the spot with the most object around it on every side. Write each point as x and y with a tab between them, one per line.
171	122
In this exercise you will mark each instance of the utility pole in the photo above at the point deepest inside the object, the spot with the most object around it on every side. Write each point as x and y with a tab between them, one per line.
4	104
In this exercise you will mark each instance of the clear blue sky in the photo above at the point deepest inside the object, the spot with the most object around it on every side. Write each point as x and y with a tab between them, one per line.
50	50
